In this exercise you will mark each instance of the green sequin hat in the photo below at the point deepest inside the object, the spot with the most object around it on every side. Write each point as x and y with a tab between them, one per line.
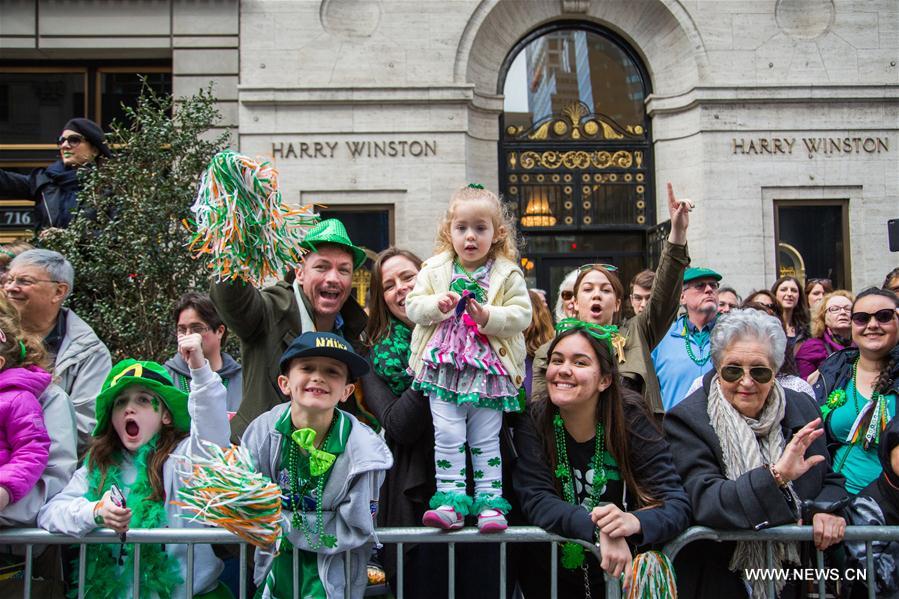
332	231
151	375
700	273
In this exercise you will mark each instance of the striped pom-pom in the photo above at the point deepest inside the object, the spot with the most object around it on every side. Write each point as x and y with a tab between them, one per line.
240	223
224	490
652	577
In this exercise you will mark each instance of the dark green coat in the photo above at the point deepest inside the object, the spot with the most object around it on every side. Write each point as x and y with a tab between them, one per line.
266	322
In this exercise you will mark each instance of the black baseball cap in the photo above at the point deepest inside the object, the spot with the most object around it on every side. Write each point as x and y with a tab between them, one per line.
327	345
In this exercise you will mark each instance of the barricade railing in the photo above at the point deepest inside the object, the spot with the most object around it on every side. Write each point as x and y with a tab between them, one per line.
867	534
202	536
416	535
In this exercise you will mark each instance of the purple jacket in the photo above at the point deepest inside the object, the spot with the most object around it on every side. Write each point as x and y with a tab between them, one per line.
814	351
24	442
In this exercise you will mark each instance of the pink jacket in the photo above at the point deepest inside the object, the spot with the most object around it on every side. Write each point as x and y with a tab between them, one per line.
24	442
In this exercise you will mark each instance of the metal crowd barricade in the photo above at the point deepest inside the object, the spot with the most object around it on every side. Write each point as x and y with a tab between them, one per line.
401	536
790	533
197	536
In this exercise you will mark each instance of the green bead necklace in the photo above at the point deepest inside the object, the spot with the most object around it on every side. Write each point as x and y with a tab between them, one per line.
572	553
698	361
302	485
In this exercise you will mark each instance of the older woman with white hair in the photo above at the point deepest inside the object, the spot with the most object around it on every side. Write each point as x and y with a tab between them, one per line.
751	455
564	307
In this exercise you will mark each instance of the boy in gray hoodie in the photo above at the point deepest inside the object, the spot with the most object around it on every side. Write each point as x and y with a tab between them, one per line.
329	466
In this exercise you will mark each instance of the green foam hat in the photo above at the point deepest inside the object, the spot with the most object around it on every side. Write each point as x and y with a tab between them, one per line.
151	375
332	231
700	273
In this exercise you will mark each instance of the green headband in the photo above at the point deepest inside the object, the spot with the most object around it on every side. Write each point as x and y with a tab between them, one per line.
601	332
476	186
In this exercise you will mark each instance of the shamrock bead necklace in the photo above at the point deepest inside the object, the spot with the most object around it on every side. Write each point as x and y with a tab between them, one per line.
301	486
572	553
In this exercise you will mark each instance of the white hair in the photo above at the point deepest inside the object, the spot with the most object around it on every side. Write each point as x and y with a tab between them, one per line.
739	325
54	263
568	281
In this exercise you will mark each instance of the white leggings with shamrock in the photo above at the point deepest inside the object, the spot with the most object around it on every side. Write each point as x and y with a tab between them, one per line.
456	425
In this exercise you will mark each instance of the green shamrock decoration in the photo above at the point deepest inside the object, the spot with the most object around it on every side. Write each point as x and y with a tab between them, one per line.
476	451
572	556
329	540
494	462
478	474
497	484
444	464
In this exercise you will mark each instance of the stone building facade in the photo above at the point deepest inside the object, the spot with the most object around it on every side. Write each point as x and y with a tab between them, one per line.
779	118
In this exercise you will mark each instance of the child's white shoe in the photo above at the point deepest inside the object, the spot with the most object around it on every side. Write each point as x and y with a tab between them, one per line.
444	517
491	520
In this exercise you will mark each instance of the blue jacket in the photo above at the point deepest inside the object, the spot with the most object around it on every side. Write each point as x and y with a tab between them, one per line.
674	368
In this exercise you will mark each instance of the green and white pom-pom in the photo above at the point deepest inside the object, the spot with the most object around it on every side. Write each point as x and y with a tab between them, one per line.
241	224
652	577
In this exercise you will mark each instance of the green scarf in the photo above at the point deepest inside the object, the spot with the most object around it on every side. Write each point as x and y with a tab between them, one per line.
159	572
390	356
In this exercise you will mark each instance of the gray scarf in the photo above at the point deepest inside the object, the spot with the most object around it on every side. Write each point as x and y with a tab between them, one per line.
746	444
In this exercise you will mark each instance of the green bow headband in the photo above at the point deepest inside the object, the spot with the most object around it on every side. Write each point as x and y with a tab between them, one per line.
319	461
601	332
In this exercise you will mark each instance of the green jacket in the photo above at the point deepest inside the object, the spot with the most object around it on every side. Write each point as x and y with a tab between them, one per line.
266	322
642	332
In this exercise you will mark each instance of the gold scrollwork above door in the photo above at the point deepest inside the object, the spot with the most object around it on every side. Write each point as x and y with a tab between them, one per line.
578	159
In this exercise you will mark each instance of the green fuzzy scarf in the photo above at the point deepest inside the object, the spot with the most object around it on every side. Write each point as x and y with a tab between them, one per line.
390	357
160	574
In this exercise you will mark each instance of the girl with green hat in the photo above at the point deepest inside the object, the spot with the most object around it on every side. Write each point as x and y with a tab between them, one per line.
143	421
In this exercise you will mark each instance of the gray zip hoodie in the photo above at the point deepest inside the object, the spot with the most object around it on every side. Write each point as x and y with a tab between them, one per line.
349	504
230	373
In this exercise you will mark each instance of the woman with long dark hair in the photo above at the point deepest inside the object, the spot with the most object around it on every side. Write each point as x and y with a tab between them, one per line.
592	465
794	311
857	388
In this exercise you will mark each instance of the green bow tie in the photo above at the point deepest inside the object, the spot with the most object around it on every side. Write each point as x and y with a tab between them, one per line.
319	461
470	285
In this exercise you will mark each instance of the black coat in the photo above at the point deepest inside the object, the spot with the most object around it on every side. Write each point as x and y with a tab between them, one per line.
753	501
53	190
541	505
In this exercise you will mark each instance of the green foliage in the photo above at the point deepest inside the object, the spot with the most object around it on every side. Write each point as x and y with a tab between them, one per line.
127	242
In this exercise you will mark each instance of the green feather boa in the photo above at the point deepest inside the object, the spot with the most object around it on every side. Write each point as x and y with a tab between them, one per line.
160	574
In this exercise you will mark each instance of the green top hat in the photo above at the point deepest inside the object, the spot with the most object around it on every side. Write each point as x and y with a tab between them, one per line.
700	273
332	231
147	374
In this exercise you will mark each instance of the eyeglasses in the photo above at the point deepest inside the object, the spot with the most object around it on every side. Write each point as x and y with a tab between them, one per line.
760	374
836	309
882	316
73	140
198	329
822	282
567	296
701	285
586	267
25	281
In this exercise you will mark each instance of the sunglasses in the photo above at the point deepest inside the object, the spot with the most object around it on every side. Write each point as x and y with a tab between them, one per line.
73	140
882	316
567	296
760	374
586	267
701	285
